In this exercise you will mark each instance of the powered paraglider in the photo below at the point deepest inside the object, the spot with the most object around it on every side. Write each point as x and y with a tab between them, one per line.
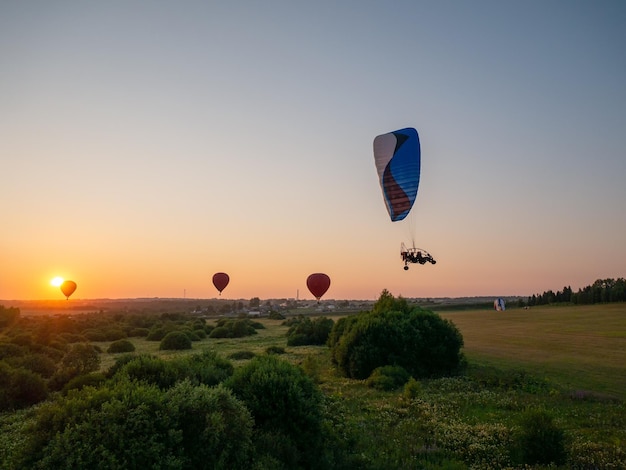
397	158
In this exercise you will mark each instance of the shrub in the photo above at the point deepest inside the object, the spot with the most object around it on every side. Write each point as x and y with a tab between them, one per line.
284	403
200	333
115	427
20	388
159	331
388	378
220	332
92	335
114	334
540	440
297	339
94	379
11	350
229	328
422	342
81	358
207	368
175	340
311	367
104	428
23	339
304	331
120	362
412	389
121	346
138	332
275	350
257	325
216	427
241	355
241	328
191	335
37	363
145	368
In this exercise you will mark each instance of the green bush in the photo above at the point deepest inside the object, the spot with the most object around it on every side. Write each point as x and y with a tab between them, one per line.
275	350
138	332
121	346
175	340
80	359
540	440
20	388
207	368
303	330
388	378
412	389
297	339
90	334
148	369
229	328
114	333
241	355
95	379
422	342
159	331
11	350
219	332
130	425
216	427
200	333
37	363
285	404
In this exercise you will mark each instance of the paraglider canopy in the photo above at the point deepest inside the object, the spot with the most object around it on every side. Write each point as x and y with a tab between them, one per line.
397	159
220	281
68	288
318	284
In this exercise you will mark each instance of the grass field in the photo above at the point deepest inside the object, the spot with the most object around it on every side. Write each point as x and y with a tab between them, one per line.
575	347
579	347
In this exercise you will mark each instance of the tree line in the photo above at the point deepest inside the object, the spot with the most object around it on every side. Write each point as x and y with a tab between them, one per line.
601	291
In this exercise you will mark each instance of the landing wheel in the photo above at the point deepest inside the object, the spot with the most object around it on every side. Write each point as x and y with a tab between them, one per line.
406	268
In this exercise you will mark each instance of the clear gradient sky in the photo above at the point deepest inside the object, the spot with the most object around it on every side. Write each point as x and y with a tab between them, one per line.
145	145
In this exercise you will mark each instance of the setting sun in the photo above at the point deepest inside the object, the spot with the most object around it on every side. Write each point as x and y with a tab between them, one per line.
56	281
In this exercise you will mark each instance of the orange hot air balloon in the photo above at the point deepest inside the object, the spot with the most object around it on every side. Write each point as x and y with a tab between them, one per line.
318	284
220	281
68	288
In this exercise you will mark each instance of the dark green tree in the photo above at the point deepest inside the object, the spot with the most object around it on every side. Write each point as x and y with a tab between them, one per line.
287	409
175	340
419	340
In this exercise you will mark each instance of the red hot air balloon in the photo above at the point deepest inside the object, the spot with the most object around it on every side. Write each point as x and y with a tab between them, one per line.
68	288
220	281
318	284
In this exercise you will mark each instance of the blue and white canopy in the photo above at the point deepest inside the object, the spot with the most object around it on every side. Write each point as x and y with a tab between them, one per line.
397	159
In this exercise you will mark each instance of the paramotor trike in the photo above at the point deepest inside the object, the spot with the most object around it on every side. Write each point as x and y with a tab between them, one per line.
415	255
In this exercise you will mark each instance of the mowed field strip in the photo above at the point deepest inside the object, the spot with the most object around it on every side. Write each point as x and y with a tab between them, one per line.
581	347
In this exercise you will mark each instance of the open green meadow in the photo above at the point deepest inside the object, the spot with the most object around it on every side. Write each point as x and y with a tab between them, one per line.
578	347
582	348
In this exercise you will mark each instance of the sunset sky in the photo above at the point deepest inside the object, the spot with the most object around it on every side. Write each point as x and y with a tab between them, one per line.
145	145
